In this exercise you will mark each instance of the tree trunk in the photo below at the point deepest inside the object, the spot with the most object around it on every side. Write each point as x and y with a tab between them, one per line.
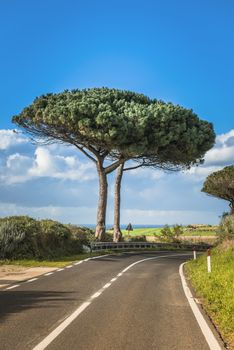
117	234
102	202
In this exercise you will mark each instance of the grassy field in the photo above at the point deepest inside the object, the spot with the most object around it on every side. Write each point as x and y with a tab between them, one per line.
157	232
143	232
216	289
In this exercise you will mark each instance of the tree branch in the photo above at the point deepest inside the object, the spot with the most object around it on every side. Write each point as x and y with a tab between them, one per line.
133	167
85	152
113	166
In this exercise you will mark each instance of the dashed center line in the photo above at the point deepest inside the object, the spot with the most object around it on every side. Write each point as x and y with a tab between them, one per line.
12	287
55	333
32	280
107	285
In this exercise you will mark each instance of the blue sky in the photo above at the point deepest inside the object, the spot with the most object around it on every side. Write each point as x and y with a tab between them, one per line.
179	51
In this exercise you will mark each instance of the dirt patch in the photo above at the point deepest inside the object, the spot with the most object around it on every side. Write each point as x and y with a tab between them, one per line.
10	274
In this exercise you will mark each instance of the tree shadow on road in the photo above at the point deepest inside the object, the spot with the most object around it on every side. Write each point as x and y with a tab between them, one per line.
12	302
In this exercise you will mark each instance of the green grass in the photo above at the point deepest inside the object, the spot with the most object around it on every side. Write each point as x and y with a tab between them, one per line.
157	231
217	288
143	232
56	262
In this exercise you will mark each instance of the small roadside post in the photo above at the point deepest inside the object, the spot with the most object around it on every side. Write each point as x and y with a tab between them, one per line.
208	261
194	254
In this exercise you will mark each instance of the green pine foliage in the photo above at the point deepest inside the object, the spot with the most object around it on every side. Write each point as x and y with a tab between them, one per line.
119	123
220	184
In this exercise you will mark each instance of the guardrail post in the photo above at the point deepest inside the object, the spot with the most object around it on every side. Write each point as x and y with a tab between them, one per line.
194	254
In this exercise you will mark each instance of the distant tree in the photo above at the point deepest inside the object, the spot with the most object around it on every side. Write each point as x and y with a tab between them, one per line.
176	140
220	184
169	234
106	125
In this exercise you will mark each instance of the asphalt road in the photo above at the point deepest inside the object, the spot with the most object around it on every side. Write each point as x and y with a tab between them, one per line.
145	308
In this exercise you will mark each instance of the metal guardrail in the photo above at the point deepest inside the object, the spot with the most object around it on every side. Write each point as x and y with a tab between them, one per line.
144	245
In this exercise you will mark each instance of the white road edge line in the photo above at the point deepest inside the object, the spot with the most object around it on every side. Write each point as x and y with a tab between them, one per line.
208	334
55	333
48	274
12	287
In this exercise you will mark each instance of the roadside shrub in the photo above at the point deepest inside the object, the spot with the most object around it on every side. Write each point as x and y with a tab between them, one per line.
169	234
84	234
57	239
226	228
18	237
54	233
10	237
25	237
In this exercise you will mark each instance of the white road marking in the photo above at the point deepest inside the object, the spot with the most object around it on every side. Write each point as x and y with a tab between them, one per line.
12	287
46	341
79	262
48	274
99	256
113	279
95	295
209	336
60	270
69	266
42	345
31	280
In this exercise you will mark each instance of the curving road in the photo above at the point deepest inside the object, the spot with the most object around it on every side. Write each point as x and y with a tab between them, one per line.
103	304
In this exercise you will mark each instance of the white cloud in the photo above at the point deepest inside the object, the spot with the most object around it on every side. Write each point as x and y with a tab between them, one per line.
58	182
10	138
74	215
17	168
61	167
162	217
221	155
224	139
223	152
153	174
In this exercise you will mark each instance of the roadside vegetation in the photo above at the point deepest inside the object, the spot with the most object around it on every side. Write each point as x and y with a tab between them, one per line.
22	237
216	289
190	230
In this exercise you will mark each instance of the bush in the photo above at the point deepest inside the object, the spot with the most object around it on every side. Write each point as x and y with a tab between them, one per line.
10	237
19	237
226	228
24	237
169	234
84	234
